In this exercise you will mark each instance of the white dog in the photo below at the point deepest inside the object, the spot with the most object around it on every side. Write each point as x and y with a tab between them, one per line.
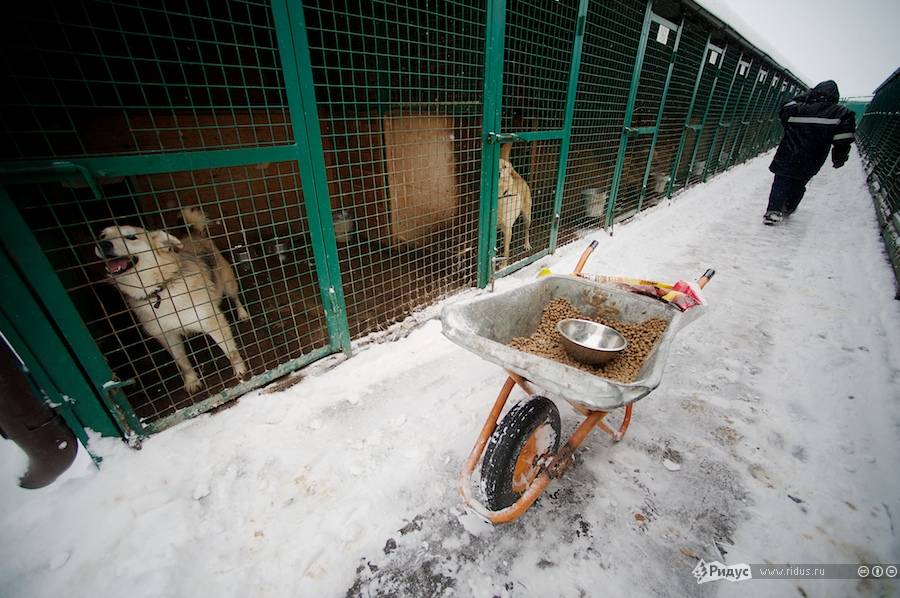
513	198
175	287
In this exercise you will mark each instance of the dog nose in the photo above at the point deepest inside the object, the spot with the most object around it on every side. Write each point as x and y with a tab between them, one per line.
105	246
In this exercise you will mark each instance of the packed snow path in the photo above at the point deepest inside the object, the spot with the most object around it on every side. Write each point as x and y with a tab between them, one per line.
781	406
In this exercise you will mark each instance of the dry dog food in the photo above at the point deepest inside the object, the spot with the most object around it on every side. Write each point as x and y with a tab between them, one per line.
641	336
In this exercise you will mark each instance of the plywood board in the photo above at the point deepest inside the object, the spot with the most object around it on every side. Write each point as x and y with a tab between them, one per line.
421	172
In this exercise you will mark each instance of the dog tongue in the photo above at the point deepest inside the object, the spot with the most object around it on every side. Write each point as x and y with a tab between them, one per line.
117	265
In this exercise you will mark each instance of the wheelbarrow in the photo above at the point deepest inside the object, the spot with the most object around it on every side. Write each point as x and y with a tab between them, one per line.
523	453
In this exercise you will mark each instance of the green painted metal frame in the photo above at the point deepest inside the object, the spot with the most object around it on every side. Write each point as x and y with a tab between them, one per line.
293	45
81	369
741	124
662	105
735	121
568	117
66	361
783	96
765	139
495	25
776	122
629	113
31	334
709	99
117	166
762	108
94	384
492	115
721	123
670	186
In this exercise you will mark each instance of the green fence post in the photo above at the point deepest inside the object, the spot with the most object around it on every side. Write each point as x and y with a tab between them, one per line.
491	121
27	256
687	120
734	123
766	141
721	121
629	112
709	99
739	134
571	92
761	112
28	321
293	46
659	115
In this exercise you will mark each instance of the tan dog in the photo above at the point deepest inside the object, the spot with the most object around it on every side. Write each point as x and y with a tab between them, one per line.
513	198
175	287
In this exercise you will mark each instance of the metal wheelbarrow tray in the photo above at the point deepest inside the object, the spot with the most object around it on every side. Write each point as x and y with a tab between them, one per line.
484	325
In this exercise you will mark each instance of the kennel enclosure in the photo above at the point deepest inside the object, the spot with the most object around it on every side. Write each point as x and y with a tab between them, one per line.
346	155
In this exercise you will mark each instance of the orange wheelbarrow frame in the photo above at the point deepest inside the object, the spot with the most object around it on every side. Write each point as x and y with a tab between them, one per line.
556	466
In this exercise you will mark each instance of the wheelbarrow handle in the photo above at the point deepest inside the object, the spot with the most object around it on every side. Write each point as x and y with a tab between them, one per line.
584	257
707	276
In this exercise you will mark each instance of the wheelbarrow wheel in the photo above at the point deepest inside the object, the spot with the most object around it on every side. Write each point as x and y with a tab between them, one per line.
529	433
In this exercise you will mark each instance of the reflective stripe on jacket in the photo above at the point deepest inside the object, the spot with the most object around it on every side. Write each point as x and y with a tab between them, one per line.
813	123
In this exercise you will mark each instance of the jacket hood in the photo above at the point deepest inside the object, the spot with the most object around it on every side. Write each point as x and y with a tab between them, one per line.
827	90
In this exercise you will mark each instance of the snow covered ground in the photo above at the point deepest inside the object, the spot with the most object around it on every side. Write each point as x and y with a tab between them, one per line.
345	484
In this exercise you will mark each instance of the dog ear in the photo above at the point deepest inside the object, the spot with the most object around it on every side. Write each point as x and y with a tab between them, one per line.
163	240
505	149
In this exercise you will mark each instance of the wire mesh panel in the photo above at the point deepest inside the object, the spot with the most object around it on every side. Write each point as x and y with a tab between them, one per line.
611	38
399	89
723	127
538	48
757	90
693	126
750	124
165	146
678	103
648	103
261	302
193	281
879	139
712	107
537	55
759	120
99	78
731	122
768	119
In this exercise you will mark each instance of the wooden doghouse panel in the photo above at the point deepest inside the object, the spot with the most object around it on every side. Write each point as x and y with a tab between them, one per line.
421	174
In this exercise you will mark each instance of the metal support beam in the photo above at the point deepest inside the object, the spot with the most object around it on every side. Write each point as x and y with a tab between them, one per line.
659	115
709	99
490	122
629	113
568	117
293	45
721	121
687	119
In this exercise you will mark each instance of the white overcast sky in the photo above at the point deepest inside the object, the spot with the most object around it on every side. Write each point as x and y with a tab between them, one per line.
856	43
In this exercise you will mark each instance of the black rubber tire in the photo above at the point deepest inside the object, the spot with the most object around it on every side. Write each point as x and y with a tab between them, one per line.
507	442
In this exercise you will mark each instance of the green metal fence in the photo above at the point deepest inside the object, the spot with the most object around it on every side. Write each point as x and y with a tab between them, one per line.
878	135
346	156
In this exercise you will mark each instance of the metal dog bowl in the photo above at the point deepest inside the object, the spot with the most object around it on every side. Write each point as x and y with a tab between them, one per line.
589	342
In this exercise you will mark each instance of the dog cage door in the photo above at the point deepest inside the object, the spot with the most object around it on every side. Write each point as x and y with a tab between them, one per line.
43	326
532	57
650	81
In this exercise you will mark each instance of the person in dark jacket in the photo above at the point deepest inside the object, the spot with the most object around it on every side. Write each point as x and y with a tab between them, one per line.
813	123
